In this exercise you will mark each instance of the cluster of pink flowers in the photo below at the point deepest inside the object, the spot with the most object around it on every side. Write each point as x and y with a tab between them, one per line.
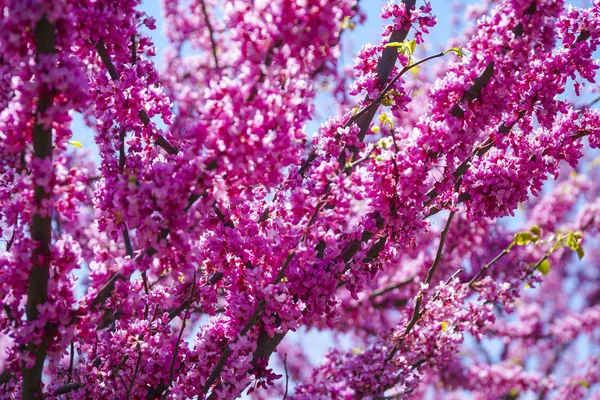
215	225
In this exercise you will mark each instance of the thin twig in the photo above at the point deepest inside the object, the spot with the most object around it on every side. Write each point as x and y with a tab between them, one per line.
286	376
363	159
438	255
211	34
176	349
381	292
122	362
552	366
137	367
473	281
11	240
597	99
417	312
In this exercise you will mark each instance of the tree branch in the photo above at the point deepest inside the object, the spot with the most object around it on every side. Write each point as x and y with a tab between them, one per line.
161	141
417	312
384	68
286	377
211	34
382	291
37	290
473	281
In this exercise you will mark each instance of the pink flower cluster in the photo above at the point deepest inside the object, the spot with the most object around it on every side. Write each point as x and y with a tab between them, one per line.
215	226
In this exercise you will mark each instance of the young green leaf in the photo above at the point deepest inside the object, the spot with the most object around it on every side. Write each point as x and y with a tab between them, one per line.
580	252
544	267
523	238
535	230
75	143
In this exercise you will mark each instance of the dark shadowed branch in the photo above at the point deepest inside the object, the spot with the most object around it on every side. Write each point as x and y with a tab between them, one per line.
37	290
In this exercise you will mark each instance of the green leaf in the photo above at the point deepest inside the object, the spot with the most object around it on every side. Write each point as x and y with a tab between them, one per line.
387	100
523	238
558	244
75	143
412	45
544	267
386	120
572	241
585	384
346	24
535	230
580	252
407	47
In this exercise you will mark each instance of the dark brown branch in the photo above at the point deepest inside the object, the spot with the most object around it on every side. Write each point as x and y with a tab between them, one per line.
176	349
122	150
133	50
10	242
106	290
251	322
101	49
127	240
397	345
384	68
161	141
552	366
69	387
438	255
381	292
417	312
6	376
474	91
41	233
363	159
597	99
375	103
473	281
225	221
71	361
479	151
286	377
211	34
483	148
266	344
227	352
365	116
120	365
136	368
